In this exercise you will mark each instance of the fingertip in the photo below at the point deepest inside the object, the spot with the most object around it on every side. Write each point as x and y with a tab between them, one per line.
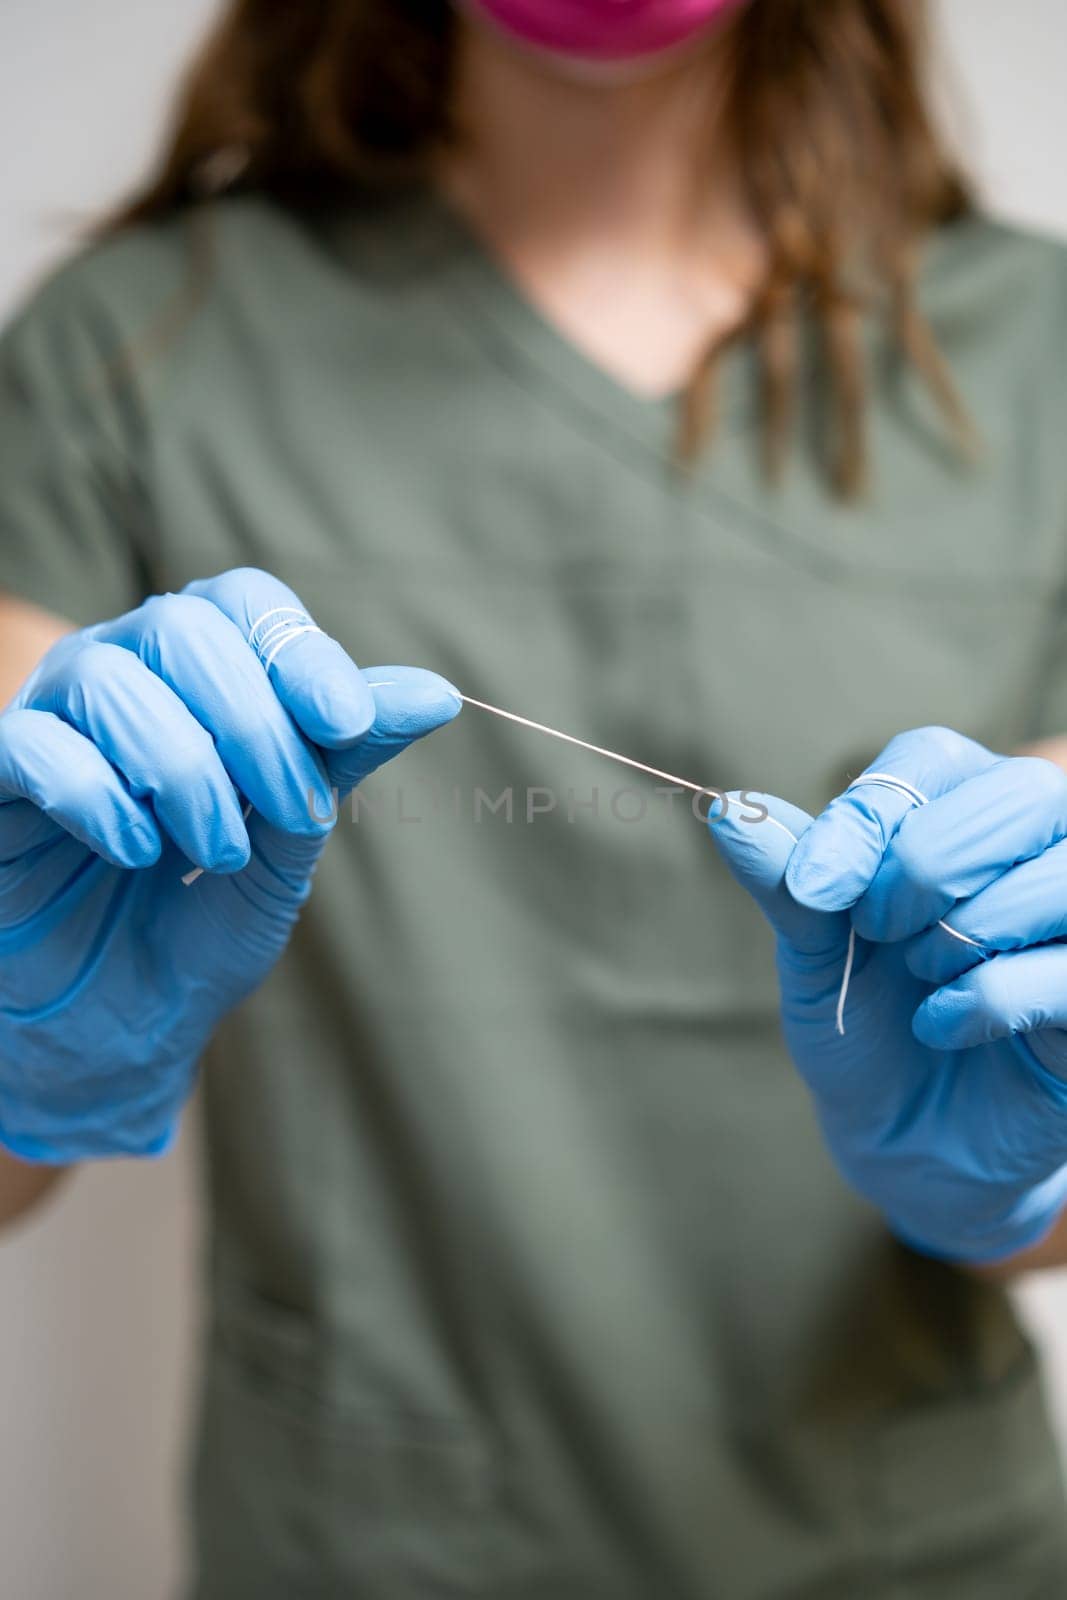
319	818
926	1027
338	710
128	838
745	808
817	890
144	846
411	701
948	1019
755	833
233	857
213	838
836	860
324	691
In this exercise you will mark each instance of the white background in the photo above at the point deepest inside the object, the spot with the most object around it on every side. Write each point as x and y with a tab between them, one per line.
98	1294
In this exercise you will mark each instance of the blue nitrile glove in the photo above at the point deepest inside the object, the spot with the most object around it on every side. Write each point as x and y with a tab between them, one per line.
944	1098
129	756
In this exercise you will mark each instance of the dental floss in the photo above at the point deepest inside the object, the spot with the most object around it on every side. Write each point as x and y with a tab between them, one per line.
292	627
885	780
583	744
846	978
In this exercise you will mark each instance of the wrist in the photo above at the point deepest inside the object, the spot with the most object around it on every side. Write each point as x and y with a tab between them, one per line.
1002	1238
1048	1252
63	1149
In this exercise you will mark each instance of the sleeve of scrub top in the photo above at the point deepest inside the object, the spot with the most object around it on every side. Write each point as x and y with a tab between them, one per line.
1046	421
71	504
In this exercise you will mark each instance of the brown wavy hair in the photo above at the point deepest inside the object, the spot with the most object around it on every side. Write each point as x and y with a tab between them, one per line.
311	101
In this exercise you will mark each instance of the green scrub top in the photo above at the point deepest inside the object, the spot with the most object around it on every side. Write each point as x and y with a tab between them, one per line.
529	1276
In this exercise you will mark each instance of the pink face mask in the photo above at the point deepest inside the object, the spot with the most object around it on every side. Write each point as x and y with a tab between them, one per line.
602	30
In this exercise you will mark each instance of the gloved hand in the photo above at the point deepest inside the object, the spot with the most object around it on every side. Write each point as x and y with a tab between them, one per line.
939	1071
132	751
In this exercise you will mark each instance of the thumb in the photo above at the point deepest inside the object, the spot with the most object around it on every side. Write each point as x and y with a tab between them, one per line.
409	703
757	851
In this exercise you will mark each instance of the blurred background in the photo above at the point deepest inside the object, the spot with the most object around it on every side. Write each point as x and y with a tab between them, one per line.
98	1291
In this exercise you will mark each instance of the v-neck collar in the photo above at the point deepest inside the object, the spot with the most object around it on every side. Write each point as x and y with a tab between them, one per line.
422	228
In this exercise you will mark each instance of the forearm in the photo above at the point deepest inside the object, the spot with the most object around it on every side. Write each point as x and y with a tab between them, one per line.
27	633
23	1185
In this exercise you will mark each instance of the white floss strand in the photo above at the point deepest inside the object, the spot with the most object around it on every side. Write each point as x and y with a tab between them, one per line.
291	622
290	632
881	780
962	937
887	780
583	744
291	626
845	981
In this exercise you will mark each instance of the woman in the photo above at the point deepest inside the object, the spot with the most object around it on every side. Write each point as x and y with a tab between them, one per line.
645	369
